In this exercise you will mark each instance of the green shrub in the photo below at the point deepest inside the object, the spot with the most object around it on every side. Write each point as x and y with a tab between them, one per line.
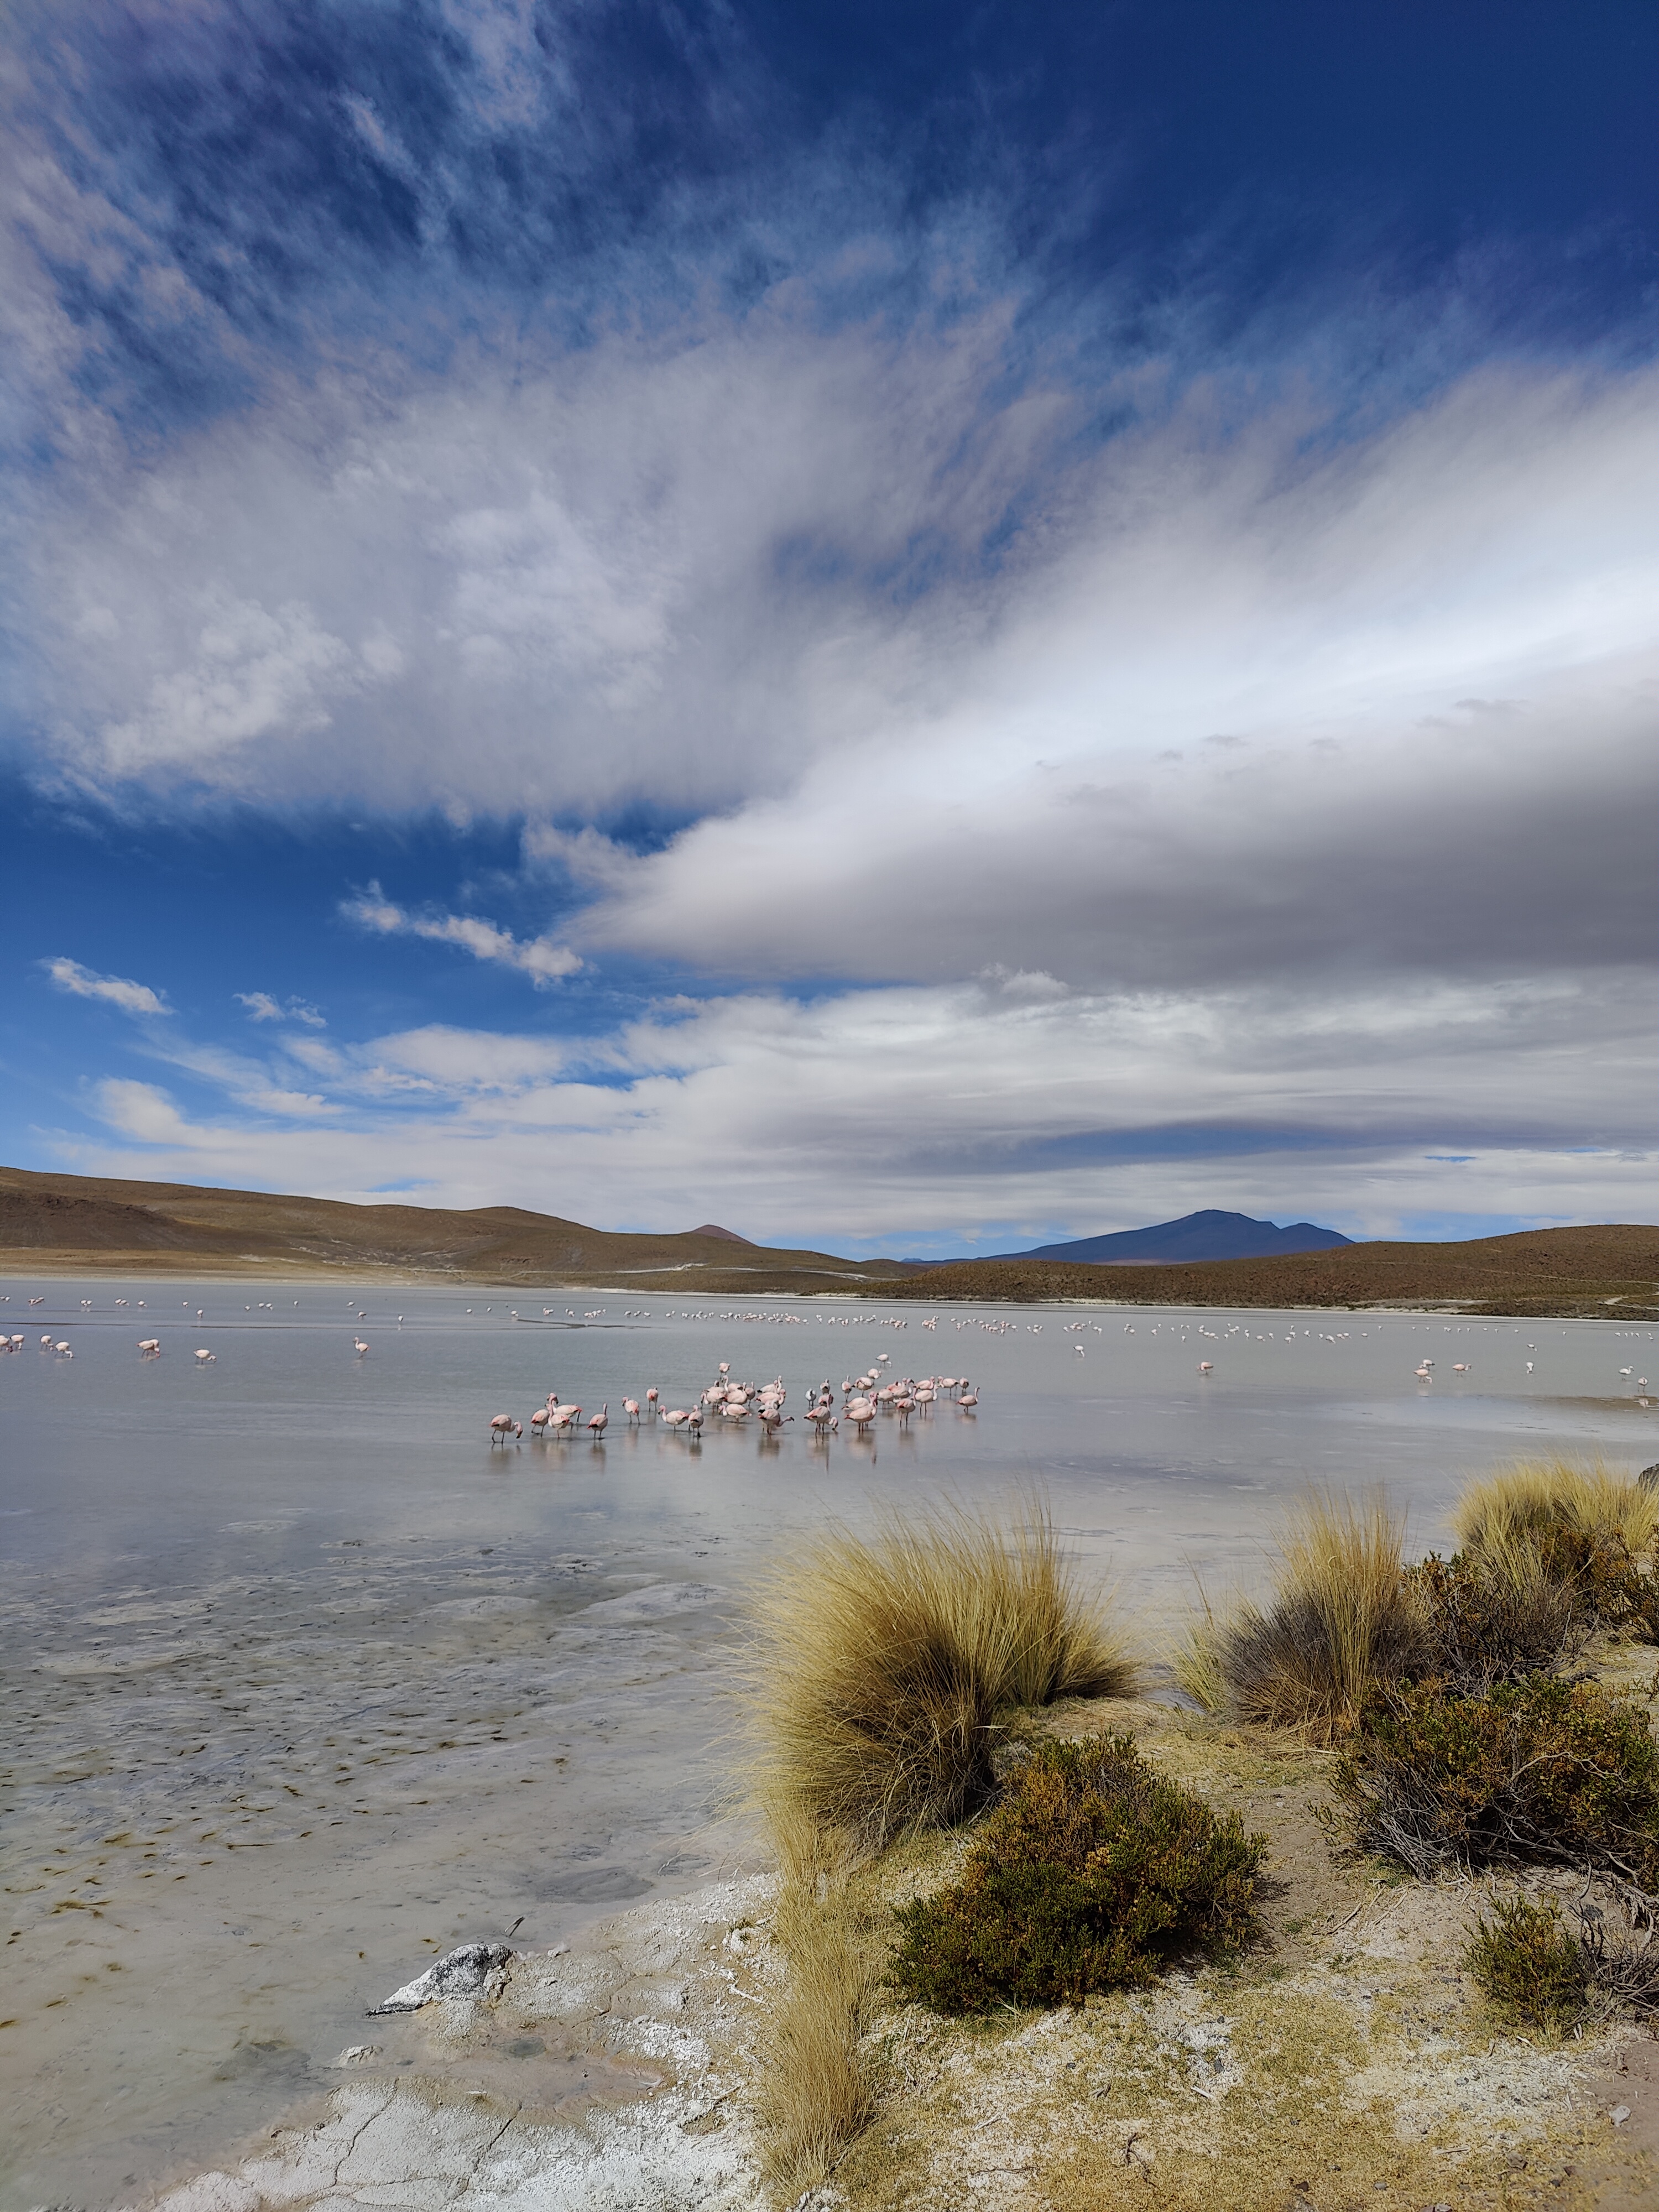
1539	1770
1606	1584
1090	1873
1531	1967
1485	1622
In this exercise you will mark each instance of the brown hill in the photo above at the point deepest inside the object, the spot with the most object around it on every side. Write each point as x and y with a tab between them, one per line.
1611	1270
77	1222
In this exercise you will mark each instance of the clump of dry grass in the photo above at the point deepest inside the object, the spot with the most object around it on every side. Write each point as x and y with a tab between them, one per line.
1590	1536
814	2093
1526	1504
887	1664
1341	1621
1195	1662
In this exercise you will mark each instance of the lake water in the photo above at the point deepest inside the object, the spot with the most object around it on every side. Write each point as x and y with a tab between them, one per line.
305	1682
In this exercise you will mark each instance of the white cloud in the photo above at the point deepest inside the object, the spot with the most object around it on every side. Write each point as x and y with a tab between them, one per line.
262	1007
664	567
1430	658
675	572
871	1115
145	1112
245	673
540	958
115	990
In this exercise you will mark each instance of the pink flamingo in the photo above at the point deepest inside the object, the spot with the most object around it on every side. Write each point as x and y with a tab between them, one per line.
969	1398
501	1426
694	1420
600	1422
631	1408
651	1397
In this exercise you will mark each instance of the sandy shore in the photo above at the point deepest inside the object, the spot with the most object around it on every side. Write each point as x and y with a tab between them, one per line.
1354	2063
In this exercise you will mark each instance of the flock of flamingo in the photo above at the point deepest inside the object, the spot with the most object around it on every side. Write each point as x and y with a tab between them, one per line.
864	1399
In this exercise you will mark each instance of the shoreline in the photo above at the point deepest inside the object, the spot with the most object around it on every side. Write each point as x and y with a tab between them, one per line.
620	2073
95	1267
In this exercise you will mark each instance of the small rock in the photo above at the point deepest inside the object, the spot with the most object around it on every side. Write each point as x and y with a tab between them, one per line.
1618	2115
358	2054
1648	1477
464	1973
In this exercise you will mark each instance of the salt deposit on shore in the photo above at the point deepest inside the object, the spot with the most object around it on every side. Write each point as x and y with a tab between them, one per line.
533	2094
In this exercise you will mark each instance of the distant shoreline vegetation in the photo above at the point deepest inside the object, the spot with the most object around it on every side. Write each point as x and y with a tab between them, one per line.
63	1224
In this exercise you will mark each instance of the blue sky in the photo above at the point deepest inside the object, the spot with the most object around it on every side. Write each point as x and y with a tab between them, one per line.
906	628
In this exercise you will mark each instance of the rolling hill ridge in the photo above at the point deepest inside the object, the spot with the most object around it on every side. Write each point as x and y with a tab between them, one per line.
80	1221
83	1224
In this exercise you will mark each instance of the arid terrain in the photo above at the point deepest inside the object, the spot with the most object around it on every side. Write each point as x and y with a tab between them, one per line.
1611	1268
79	1223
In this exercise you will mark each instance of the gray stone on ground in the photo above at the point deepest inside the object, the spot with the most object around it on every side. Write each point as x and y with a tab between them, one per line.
466	1971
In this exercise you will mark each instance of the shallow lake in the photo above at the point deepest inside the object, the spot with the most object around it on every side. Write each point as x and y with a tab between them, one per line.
305	1681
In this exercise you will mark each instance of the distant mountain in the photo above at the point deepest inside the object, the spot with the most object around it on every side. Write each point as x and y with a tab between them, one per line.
1210	1235
711	1228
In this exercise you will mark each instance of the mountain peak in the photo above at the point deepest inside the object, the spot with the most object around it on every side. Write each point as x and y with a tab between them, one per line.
1210	1234
714	1229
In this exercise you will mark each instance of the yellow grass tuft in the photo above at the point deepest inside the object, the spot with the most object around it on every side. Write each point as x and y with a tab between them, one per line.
1195	1662
886	1669
886	1666
1340	1621
1503	1517
815	2092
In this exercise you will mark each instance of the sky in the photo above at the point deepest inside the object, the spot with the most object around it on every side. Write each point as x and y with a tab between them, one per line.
911	629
